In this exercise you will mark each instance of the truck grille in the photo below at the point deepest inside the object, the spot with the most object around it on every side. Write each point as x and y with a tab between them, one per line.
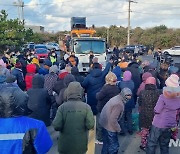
85	64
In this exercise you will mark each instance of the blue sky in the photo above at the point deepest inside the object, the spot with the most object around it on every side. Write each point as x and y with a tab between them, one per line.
55	15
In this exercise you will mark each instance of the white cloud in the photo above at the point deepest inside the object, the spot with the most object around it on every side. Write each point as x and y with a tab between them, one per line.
56	14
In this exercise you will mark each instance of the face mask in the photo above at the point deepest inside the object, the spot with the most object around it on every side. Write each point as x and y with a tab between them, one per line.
128	97
53	54
29	57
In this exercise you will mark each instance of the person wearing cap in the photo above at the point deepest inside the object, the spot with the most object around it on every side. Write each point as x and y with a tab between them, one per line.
45	69
49	82
108	91
147	101
19	133
73	120
164	119
17	72
127	115
109	117
51	78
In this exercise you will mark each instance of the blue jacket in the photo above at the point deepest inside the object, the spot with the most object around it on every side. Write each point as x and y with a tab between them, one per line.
128	84
93	84
14	131
43	71
20	78
117	71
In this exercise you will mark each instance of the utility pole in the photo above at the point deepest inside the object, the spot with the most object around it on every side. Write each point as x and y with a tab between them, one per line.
108	36
20	6
129	20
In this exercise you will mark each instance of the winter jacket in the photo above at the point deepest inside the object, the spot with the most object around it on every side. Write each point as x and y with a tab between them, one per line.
2	79
111	114
39	100
58	85
43	71
136	76
93	84
78	77
142	85
118	72
19	101
166	110
128	84
73	119
4	71
23	135
147	101
49	82
68	79
20	78
31	70
162	76
105	94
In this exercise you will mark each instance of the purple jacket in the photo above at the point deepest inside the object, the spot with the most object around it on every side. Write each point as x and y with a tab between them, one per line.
165	112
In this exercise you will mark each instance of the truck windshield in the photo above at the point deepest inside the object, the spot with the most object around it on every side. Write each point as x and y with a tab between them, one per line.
84	47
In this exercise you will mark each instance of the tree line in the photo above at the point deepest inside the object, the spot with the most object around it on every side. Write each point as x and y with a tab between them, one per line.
13	34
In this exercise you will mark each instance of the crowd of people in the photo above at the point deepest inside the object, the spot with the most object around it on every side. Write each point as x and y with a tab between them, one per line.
34	96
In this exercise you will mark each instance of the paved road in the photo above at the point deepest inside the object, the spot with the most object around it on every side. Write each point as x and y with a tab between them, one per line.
128	144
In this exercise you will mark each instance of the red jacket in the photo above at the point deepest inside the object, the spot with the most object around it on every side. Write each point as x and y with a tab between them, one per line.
31	70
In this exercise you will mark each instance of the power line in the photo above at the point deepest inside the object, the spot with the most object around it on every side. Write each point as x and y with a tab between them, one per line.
152	13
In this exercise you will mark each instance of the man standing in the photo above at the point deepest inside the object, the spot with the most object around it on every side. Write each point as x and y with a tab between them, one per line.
109	117
73	119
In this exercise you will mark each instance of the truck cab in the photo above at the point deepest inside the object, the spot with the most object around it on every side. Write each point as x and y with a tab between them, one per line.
83	46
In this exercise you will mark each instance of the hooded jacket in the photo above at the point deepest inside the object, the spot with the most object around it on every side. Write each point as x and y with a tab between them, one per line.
39	100
128	83
78	77
147	101
68	79
166	110
73	119
93	84
142	85
136	77
20	134
113	110
31	70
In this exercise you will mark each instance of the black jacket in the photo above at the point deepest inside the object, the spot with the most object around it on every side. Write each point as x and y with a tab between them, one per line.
105	94
136	75
39	100
58	85
78	77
